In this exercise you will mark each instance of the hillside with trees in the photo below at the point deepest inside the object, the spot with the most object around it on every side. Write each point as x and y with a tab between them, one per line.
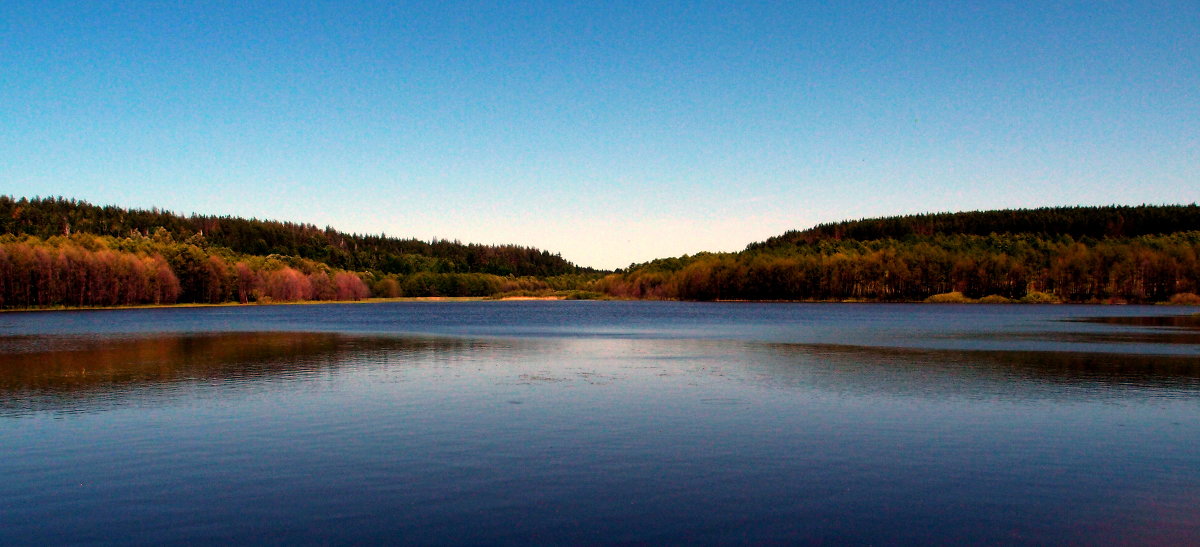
1074	254
57	252
1077	222
49	217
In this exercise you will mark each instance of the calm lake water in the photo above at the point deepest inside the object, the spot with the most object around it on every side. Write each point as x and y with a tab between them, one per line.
601	422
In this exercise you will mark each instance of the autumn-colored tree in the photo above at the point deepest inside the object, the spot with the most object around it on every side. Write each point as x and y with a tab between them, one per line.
348	286
247	282
287	284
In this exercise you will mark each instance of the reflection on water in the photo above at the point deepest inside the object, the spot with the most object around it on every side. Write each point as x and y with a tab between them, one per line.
772	424
77	374
978	373
1181	340
1182	331
1177	321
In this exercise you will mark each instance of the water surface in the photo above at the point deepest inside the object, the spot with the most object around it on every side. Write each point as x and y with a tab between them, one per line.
600	422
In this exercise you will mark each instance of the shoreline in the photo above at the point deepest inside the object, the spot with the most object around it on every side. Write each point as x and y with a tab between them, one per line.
251	304
289	303
409	299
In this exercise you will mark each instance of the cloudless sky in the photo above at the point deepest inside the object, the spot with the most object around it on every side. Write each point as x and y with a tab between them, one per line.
611	132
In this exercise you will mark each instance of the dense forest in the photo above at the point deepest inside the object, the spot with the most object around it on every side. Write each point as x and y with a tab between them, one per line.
1077	222
1076	254
49	217
56	252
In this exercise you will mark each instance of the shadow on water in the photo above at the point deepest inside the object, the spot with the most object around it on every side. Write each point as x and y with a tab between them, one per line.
1182	330
81	374
1158	335
1168	338
1159	356
1020	374
1190	322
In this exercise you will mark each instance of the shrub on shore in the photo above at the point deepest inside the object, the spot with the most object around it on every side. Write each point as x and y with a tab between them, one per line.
949	298
1185	299
1035	297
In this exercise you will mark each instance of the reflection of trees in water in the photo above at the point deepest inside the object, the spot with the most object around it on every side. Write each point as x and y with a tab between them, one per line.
1178	330
1006	374
1190	322
1182	322
1176	338
77	373
1014	373
83	374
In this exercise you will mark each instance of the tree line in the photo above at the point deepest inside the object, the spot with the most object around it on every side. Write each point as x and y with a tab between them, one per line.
56	252
1078	222
55	216
1150	268
88	270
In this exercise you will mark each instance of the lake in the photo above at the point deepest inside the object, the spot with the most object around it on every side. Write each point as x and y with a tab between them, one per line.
601	422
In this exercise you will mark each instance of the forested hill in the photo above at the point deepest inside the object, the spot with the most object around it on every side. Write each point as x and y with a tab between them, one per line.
49	217
1076	254
1077	222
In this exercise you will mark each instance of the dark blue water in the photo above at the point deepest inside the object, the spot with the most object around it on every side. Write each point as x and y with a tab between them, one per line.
601	422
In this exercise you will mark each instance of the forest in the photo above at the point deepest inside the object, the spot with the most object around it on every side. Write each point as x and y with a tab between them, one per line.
1077	222
49	217
1073	254
56	252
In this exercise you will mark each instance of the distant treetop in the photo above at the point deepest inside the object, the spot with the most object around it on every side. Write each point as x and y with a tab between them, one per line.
1094	222
55	216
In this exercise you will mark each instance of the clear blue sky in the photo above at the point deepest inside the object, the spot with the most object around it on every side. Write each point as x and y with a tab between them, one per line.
611	132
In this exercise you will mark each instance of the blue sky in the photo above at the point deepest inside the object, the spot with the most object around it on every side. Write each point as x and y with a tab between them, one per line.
611	132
